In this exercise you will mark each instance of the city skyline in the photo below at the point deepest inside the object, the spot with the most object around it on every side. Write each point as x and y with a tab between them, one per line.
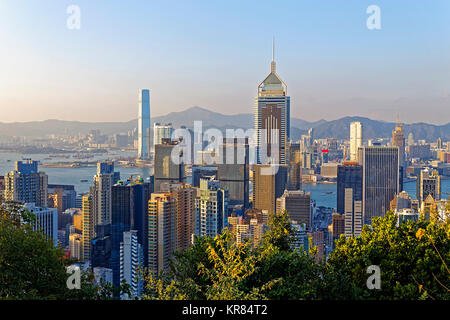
334	65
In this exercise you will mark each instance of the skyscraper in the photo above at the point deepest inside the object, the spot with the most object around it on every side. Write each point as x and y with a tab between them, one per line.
269	183
295	167
166	170
355	139
349	197
381	179
353	215
272	114
26	184
144	125
350	175
428	183
233	171
129	212
184	197
398	140
161	231
161	132
298	206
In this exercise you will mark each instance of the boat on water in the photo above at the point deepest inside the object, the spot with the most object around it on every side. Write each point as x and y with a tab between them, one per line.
329	192
83	180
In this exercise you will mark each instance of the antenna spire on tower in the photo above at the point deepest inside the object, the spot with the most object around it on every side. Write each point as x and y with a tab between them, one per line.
272	64
273	48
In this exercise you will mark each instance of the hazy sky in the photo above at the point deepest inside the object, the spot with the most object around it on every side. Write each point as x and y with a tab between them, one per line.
214	53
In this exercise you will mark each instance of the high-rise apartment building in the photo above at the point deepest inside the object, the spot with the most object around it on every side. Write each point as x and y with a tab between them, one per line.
131	259
269	183
46	221
381	180
272	118
184	202
428	183
251	227
144	125
298	206
88	225
211	208
76	246
25	184
161	231
300	236
103	182
355	139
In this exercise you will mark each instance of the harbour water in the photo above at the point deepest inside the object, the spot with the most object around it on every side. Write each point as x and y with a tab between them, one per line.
323	193
72	176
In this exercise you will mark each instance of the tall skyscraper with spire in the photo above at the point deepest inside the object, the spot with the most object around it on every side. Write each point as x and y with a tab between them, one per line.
144	125
398	140
272	116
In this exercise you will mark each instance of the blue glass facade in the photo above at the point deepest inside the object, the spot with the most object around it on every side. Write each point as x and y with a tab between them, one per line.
129	212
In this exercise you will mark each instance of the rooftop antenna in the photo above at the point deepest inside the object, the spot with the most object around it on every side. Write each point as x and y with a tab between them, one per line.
273	48
398	120
272	64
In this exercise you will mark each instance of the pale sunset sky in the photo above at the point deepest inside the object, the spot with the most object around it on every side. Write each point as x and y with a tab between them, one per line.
213	54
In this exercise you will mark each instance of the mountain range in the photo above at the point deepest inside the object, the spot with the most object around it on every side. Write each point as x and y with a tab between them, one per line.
322	129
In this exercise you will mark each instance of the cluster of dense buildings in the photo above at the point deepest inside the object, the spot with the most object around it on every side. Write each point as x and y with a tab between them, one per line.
123	224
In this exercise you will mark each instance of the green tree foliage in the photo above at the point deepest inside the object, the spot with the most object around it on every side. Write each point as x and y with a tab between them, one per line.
30	266
413	259
280	233
219	268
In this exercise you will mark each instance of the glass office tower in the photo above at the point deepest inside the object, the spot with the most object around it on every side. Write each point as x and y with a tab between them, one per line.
144	125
